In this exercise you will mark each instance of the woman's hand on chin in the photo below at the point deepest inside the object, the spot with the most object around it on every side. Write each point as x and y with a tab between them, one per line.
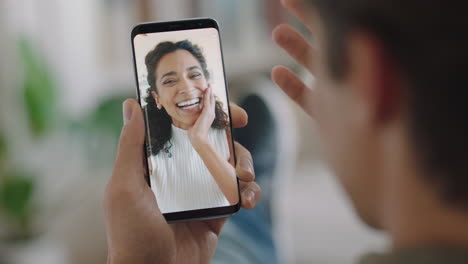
198	133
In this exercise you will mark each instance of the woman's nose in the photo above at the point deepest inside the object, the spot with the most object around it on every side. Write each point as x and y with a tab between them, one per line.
185	86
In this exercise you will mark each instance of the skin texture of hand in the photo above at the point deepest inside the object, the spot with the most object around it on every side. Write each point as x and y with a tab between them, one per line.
136	230
198	133
301	50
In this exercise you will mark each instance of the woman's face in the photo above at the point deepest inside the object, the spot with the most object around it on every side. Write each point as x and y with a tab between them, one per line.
180	83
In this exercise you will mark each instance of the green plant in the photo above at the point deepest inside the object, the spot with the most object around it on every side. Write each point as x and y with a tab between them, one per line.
16	190
40	102
107	117
97	132
100	130
3	150
39	90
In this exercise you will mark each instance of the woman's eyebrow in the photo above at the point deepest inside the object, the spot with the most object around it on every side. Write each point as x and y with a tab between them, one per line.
168	74
193	68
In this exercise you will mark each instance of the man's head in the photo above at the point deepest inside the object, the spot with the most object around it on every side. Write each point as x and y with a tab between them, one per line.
392	76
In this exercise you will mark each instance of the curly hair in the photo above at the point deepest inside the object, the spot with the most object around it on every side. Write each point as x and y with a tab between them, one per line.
159	121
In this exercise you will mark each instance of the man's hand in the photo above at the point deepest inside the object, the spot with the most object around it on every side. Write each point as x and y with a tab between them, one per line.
295	45
136	230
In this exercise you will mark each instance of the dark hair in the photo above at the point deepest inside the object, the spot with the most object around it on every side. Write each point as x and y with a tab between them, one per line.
428	40
159	121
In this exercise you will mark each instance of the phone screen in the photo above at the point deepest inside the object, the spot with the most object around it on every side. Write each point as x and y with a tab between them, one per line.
189	146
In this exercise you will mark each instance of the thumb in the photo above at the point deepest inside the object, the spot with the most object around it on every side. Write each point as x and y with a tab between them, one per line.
129	164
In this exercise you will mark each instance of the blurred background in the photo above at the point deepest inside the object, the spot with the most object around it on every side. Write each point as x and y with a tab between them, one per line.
66	67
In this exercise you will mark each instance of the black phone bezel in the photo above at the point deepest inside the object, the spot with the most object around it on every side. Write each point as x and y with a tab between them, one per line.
187	24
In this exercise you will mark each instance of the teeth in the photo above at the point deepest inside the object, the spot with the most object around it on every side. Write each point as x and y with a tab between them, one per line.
189	102
190	106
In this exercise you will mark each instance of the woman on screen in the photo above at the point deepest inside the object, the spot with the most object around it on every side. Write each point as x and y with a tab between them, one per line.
189	134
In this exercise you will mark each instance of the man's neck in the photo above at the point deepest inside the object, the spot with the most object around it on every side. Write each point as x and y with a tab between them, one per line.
417	217
413	213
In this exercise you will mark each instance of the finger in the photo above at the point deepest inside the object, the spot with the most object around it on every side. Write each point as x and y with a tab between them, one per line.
294	44
129	164
244	167
215	225
209	102
203	119
250	194
212	98
239	117
294	88
206	99
299	9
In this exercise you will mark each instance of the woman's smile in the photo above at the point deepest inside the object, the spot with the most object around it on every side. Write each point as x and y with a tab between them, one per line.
189	103
190	106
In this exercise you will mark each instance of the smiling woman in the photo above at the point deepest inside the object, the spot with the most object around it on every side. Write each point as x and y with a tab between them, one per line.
189	139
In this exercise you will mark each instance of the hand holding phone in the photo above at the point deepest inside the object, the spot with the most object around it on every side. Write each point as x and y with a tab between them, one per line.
137	232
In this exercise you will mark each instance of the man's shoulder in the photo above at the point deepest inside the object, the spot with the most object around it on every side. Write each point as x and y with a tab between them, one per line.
434	255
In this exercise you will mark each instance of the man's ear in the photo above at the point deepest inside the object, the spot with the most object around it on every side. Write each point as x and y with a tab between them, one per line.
156	98
375	78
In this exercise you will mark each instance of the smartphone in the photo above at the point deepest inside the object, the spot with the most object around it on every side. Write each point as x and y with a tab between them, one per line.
182	89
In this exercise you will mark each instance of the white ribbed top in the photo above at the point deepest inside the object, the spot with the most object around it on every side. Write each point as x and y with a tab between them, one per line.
182	182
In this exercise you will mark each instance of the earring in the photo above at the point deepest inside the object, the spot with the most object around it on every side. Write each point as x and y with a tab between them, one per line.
159	106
